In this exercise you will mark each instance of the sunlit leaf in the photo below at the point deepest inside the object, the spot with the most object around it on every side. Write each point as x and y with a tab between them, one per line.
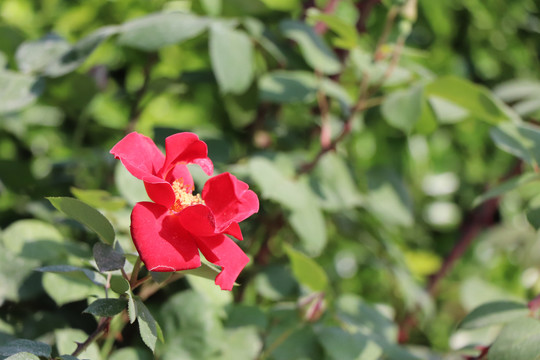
307	271
402	108
86	215
496	312
316	53
473	98
154	31
18	90
518	340
231	52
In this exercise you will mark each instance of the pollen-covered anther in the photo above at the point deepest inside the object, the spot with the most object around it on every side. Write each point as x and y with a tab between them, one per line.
184	196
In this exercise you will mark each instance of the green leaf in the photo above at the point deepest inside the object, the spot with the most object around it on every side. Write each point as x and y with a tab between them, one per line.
147	325
119	285
445	111
334	184
507	186
207	270
99	199
231	52
79	52
309	224
154	31
133	311
131	354
34	239
517	89
108	259
353	310
66	343
316	53
275	282
106	307
265	39
94	276
531	135
473	98
13	272
339	344
493	313
68	357
300	86
518	340
307	271
299	343
35	56
296	195
218	297
64	288
282	5
241	343
22	356
388	198
212	7
86	215
507	137
23	345
190	319
347	34
246	315
288	86
18	90
402	108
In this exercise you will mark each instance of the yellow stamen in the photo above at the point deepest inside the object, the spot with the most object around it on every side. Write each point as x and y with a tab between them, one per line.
184	196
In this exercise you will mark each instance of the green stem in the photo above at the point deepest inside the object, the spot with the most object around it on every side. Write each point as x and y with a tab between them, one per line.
135	272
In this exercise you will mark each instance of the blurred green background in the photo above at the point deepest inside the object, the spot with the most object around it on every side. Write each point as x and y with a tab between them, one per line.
372	222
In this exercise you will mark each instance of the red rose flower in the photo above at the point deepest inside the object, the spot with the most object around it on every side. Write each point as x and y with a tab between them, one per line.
169	232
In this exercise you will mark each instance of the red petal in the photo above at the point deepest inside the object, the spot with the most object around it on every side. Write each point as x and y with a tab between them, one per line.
160	192
160	240
140	155
180	171
198	220
234	230
222	251
229	199
186	148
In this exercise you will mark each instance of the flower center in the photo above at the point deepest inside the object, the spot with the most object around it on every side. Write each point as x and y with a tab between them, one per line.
184	196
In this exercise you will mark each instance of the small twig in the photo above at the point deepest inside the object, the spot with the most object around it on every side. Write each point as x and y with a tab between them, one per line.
141	281
366	92
347	127
103	326
322	101
390	19
124	274
152	288
135	110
